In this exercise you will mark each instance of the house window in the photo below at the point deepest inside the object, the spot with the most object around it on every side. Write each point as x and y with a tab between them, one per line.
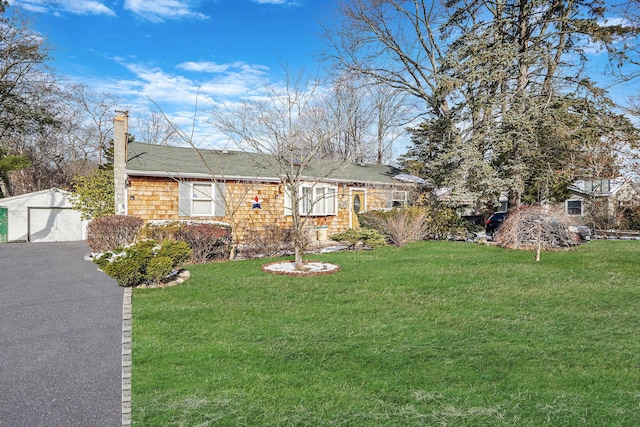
597	186
399	198
316	200
201	199
202	202
574	207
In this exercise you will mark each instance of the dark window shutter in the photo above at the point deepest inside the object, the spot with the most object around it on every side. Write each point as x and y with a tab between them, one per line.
220	189
184	199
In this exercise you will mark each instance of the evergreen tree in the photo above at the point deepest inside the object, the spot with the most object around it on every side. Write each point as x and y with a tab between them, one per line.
528	116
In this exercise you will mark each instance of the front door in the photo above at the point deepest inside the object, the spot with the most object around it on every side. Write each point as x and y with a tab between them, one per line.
357	206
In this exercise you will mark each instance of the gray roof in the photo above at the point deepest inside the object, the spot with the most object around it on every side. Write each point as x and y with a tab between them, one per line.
162	160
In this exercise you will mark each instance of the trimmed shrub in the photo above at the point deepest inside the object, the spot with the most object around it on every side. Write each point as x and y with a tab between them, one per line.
159	268
208	242
177	252
631	217
268	240
144	262
412	223
109	232
161	231
369	237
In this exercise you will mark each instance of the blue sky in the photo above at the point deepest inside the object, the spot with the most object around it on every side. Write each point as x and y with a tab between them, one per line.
170	50
167	50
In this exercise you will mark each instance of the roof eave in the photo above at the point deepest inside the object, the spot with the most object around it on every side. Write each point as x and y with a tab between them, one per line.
197	175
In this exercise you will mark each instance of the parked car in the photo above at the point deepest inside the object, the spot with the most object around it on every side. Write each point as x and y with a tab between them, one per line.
494	222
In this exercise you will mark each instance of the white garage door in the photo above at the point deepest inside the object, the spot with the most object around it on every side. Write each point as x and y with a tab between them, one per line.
54	225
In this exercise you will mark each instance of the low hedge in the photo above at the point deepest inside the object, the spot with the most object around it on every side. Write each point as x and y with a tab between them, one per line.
109	232
208	241
147	261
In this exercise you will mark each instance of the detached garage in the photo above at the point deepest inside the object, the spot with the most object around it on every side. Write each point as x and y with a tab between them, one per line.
43	216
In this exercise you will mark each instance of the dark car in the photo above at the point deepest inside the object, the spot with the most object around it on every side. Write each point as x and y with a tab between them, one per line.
494	222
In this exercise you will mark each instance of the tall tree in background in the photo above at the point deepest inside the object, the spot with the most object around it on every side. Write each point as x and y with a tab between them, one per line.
25	87
23	74
528	107
507	104
349	113
368	118
156	129
60	131
90	124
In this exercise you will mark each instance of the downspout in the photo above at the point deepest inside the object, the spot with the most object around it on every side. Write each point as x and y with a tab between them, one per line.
120	136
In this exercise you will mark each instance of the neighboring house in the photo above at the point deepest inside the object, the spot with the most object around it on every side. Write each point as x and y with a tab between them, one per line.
611	194
174	183
42	216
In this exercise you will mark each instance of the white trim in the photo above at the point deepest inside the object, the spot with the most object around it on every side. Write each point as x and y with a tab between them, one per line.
566	206
404	201
194	198
35	193
207	176
225	178
313	186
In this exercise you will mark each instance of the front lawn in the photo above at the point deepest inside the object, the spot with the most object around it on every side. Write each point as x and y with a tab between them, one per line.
435	333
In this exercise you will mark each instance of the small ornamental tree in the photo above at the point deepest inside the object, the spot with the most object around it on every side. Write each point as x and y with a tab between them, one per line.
290	127
539	228
94	195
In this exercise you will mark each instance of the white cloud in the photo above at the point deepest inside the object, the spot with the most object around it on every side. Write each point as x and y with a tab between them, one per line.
203	67
162	87
87	7
161	10
178	94
278	2
76	7
238	68
38	6
222	82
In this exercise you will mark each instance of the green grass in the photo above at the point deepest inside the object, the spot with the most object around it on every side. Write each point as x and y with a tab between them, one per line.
436	333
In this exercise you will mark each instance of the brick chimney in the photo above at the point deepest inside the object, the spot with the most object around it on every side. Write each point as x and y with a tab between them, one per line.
120	137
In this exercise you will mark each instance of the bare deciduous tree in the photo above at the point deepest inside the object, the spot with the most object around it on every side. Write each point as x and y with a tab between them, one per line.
288	125
537	228
156	129
368	117
390	41
89	122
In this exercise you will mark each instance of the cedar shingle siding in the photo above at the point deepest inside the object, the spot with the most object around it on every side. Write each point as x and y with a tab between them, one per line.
160	187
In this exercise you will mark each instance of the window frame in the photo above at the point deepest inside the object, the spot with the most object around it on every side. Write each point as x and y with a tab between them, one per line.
398	202
570	209
315	200
188	199
211	198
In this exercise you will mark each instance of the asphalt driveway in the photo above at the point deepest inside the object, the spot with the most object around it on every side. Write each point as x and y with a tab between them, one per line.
60	338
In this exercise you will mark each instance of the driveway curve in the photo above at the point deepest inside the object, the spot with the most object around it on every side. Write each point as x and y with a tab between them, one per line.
60	338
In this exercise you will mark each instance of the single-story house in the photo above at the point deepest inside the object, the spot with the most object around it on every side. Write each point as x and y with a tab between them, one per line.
613	195
42	216
156	182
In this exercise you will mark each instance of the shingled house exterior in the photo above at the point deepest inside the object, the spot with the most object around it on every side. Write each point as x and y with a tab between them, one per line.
608	197
156	182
